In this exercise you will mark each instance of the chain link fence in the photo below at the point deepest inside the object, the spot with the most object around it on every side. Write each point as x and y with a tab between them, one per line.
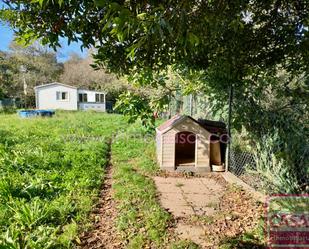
239	162
275	161
265	172
243	165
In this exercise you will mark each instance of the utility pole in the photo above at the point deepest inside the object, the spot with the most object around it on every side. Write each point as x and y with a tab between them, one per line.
23	70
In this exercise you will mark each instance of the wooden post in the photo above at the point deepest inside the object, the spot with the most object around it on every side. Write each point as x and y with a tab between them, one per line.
104	101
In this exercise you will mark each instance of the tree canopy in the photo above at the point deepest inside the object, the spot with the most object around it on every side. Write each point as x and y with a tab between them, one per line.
242	43
261	47
231	39
33	65
77	71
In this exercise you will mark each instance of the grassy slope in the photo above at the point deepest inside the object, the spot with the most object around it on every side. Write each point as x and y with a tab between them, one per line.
50	172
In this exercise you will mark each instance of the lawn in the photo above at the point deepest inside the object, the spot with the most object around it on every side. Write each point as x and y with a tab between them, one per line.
141	221
51	170
51	173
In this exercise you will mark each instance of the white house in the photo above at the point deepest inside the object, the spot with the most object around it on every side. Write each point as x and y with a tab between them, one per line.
60	96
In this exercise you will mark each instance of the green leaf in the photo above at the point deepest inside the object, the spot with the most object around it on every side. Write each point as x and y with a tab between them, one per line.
141	16
100	3
193	39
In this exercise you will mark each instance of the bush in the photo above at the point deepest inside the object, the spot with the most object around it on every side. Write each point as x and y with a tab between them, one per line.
274	161
8	109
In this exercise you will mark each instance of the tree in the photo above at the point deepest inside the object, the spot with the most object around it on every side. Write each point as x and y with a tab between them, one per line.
5	74
232	43
239	43
78	71
39	66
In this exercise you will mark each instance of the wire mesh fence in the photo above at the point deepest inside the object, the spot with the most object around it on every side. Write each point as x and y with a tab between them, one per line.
271	155
273	177
243	165
240	161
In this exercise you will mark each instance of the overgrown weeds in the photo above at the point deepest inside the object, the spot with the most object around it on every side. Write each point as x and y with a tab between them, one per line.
50	170
274	163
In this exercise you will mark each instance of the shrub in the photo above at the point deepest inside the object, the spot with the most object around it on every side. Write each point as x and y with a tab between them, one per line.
274	163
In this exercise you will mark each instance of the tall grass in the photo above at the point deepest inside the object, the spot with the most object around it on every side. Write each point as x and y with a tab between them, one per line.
274	162
50	173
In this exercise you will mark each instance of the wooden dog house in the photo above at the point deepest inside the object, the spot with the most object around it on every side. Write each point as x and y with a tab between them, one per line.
184	144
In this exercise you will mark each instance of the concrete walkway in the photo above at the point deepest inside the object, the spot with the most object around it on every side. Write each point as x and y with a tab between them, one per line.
189	196
185	198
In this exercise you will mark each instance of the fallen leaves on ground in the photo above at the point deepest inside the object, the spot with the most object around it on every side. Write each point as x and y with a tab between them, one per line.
103	233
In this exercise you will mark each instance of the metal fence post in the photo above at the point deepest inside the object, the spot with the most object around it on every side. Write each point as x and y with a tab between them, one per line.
229	126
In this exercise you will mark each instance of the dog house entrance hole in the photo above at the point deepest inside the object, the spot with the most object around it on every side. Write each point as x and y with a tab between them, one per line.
185	149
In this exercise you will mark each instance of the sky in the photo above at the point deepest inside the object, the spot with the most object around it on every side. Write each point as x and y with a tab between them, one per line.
7	35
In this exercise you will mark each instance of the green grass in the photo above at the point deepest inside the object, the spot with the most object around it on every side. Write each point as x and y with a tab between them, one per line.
141	221
184	244
51	170
50	173
179	185
254	239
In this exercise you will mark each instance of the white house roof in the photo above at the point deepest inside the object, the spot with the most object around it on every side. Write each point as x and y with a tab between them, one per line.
54	83
65	85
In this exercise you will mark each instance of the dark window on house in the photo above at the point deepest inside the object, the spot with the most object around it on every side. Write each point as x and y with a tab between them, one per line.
62	95
82	97
99	98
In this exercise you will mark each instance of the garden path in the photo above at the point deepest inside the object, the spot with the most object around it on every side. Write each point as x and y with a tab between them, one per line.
206	209
103	233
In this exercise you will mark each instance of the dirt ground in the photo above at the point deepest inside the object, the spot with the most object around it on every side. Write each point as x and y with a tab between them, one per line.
103	233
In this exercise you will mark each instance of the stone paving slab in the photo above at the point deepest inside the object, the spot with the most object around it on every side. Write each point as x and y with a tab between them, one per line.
201	194
187	197
164	186
202	200
194	233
